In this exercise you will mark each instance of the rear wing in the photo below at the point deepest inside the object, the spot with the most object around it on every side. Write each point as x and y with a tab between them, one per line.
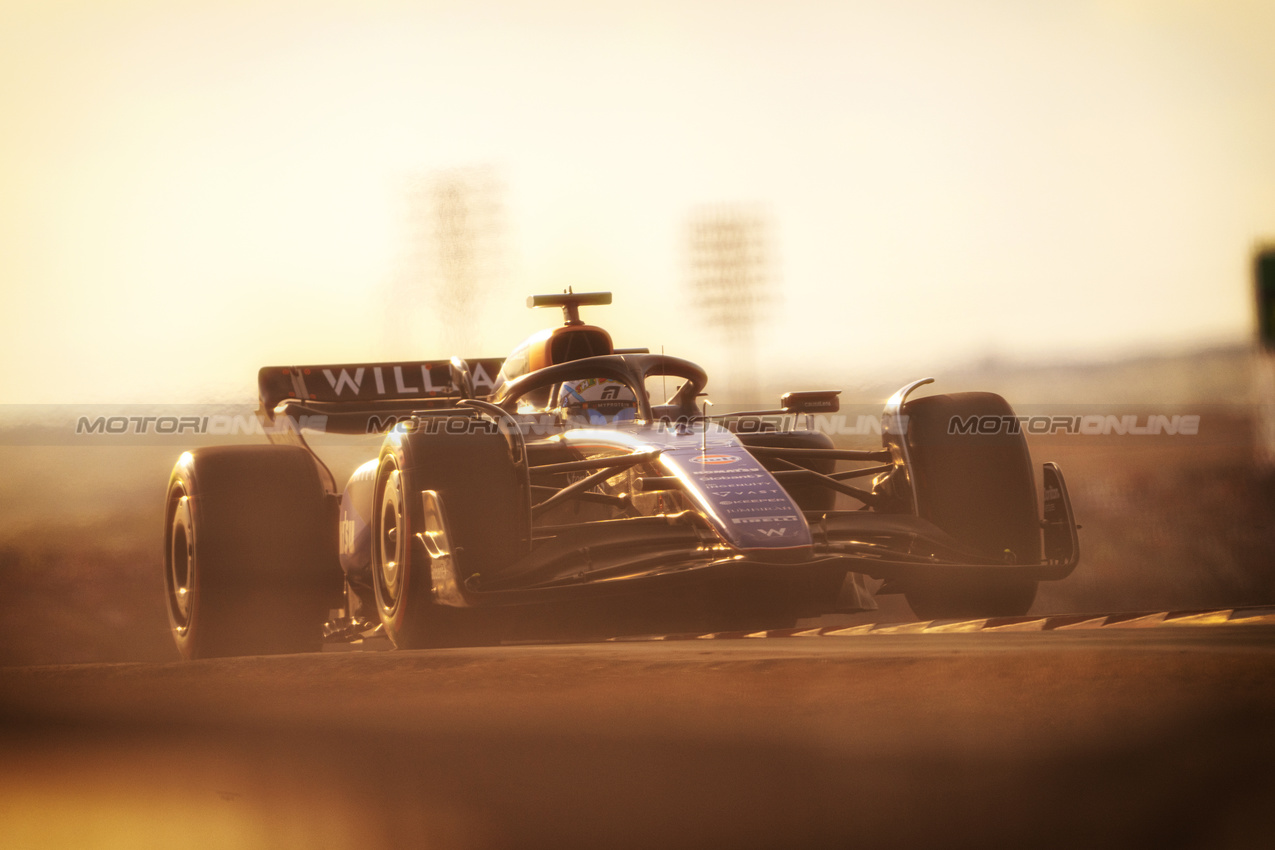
352	395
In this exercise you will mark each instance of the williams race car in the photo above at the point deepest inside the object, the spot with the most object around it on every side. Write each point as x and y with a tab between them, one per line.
577	489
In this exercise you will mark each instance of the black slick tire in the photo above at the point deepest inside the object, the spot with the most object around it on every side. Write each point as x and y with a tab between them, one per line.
486	517
979	488
250	552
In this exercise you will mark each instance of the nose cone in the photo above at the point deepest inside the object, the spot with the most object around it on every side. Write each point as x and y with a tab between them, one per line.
743	502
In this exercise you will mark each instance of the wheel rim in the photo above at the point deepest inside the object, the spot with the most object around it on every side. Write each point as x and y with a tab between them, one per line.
389	540
181	564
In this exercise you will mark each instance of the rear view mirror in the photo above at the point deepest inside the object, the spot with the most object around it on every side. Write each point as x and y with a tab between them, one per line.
824	401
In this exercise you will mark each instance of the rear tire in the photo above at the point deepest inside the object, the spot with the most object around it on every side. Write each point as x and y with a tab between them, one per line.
487	526
978	488
250	552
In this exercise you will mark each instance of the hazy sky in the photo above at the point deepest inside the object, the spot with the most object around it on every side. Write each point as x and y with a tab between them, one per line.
191	190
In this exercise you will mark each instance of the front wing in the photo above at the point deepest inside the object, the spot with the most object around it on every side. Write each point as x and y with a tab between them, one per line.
613	556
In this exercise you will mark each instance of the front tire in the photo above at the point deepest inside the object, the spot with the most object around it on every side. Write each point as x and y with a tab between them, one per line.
250	558
979	488
484	493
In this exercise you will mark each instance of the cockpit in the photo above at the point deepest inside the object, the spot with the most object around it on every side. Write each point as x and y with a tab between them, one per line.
548	371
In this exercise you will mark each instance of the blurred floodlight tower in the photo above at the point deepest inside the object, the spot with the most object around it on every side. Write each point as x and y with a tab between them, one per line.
730	283
454	259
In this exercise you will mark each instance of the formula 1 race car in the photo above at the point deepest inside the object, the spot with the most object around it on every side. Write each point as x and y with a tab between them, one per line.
576	489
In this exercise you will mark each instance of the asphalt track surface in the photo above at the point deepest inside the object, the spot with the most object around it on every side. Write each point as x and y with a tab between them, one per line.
1084	737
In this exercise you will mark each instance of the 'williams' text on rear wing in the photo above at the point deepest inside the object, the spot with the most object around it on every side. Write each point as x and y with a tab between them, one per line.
345	388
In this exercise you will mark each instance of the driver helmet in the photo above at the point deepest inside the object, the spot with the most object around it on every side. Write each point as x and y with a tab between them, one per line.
597	401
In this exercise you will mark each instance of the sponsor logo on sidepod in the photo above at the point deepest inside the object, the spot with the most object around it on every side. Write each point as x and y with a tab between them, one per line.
715	460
